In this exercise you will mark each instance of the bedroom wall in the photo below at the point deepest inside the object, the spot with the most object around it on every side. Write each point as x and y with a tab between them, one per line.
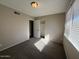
14	29
54	27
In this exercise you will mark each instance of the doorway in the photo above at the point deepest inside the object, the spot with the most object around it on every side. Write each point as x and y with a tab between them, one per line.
31	25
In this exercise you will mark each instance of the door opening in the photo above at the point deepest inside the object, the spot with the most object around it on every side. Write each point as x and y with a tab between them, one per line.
31	25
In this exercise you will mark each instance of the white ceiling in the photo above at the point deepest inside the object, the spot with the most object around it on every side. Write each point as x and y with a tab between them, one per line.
46	7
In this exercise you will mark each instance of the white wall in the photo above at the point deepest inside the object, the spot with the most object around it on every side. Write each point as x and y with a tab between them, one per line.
54	27
14	29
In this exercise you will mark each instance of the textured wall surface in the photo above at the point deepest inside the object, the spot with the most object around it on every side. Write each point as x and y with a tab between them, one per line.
14	28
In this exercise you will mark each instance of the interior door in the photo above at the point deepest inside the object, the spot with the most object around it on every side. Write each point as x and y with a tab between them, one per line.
37	28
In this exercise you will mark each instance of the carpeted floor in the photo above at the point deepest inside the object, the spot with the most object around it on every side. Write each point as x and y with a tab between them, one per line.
27	50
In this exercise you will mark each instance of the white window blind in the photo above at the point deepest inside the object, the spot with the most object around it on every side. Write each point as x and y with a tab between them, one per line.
72	25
